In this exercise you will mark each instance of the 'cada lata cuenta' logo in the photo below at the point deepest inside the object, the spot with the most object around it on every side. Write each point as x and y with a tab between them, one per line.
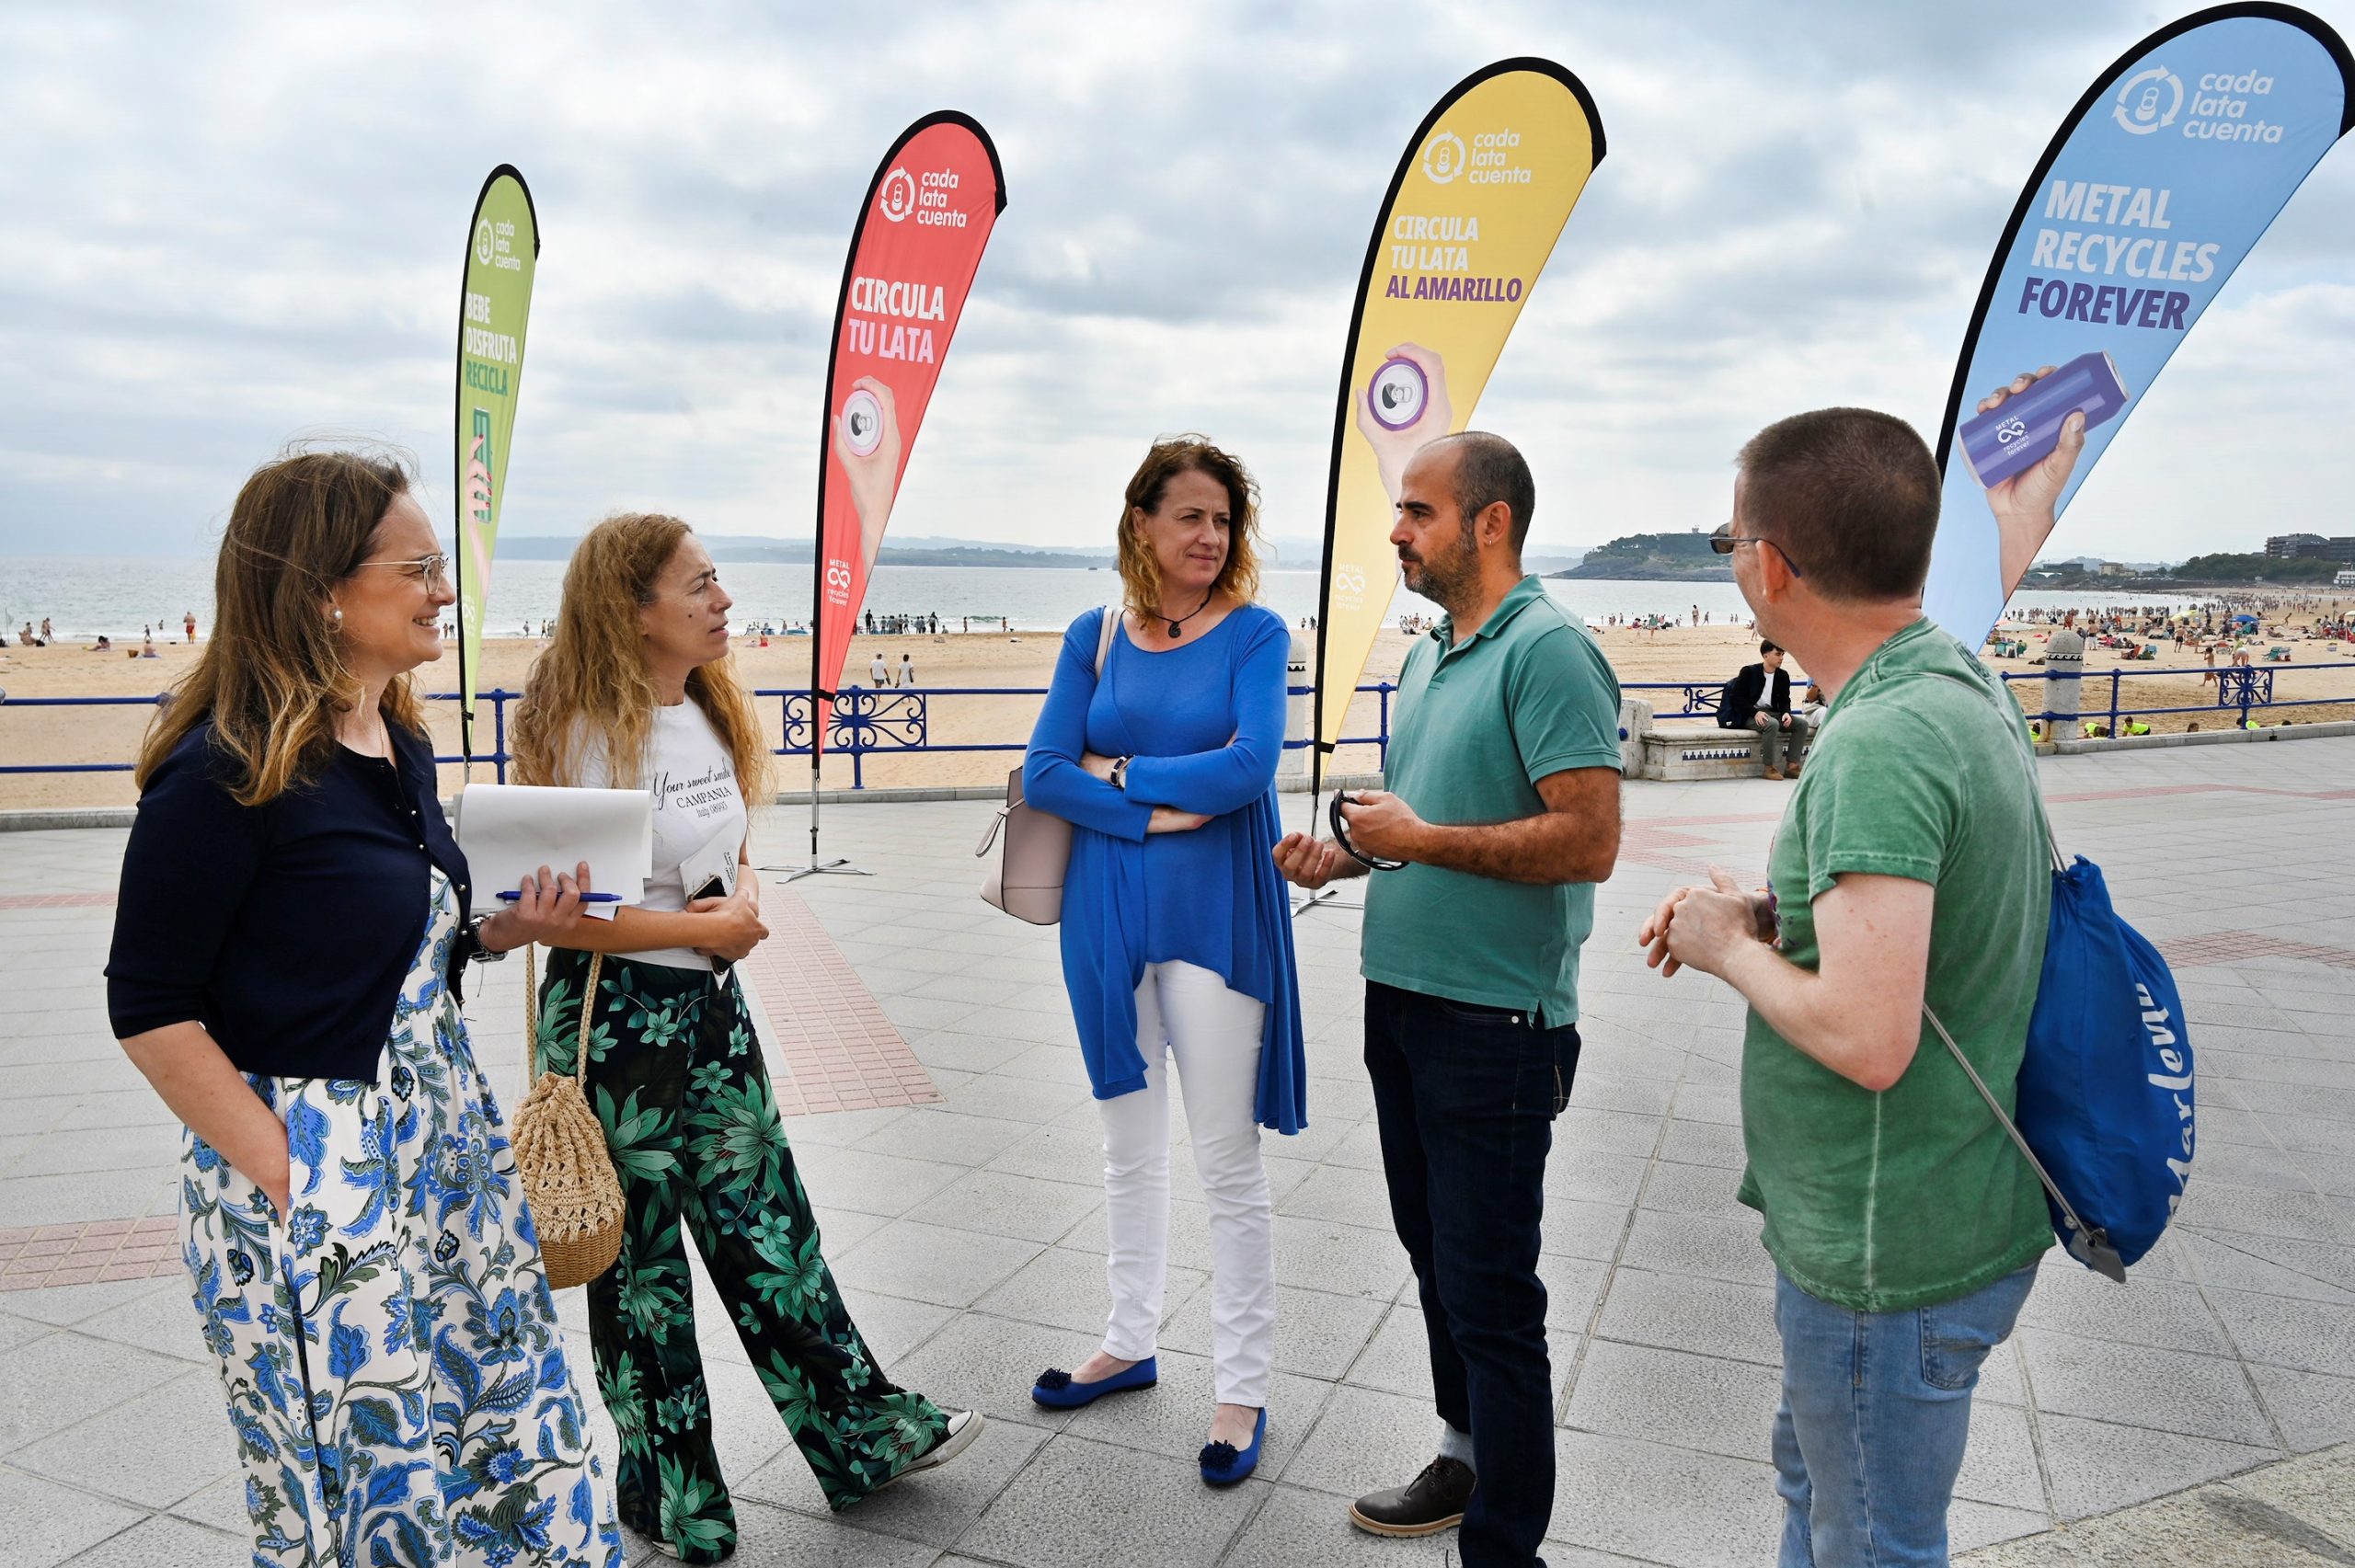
2148	101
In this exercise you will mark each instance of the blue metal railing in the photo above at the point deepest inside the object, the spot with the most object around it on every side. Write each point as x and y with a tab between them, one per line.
2240	689
885	721
867	722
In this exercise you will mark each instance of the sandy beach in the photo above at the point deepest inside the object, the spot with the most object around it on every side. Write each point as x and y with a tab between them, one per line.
1706	654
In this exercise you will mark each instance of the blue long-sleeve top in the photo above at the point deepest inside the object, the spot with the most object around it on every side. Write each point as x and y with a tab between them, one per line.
1205	724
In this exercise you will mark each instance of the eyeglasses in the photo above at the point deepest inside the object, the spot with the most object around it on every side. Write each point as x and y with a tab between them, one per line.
1724	540
431	570
1342	837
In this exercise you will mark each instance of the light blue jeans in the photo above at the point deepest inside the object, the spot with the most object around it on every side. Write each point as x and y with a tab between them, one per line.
1876	1412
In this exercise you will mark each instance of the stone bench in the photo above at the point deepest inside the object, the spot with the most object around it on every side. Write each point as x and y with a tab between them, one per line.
1682	749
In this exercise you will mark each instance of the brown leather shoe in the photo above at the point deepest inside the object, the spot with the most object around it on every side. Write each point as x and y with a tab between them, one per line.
1430	1503
1774	774
1793	770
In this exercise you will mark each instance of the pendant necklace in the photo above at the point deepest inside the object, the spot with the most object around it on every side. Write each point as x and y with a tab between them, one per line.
1176	627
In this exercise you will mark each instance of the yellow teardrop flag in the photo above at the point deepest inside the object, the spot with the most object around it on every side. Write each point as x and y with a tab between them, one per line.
1473	211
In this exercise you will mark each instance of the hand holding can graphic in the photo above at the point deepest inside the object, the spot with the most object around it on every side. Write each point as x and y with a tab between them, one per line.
1402	408
867	440
2023	445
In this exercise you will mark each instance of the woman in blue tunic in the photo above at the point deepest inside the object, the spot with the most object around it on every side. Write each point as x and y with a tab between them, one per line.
1158	742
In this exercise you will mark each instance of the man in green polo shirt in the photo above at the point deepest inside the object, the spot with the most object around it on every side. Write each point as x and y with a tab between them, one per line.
1503	806
1910	872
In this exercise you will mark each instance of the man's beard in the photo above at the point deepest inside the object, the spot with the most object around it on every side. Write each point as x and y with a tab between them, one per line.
1452	581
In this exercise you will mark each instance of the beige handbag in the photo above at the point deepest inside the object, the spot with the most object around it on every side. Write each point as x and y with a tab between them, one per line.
1028	881
560	1153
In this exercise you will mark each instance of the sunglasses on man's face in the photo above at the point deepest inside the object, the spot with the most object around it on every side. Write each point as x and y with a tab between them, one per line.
1725	541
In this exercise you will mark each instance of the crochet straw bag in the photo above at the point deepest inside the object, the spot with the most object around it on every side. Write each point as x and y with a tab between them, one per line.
560	1153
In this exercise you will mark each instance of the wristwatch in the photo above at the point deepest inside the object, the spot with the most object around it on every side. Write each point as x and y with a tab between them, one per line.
1121	771
484	953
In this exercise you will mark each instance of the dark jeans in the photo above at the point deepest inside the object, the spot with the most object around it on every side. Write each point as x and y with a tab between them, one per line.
1467	1098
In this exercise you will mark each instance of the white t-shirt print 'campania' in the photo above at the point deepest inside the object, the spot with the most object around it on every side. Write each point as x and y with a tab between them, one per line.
696	801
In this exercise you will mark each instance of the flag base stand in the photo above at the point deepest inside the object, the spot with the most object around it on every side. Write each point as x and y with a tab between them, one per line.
817	868
836	867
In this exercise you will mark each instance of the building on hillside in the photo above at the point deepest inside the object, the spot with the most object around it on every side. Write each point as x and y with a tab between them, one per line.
2310	547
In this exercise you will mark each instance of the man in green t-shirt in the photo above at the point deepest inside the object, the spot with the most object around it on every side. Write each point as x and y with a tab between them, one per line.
1504	809
1910	873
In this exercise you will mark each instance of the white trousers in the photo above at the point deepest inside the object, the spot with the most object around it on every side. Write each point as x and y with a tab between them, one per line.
1186	1016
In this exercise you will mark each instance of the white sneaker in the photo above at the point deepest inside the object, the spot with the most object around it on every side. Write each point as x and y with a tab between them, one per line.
964	1425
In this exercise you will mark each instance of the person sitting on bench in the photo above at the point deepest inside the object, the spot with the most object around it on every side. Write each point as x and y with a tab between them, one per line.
1759	698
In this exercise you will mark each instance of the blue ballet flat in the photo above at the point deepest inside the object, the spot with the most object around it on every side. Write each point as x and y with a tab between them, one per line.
1057	1390
1221	1466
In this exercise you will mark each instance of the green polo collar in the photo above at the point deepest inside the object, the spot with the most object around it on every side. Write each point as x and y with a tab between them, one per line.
1527	591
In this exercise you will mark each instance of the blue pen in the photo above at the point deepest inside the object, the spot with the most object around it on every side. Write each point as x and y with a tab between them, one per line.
511	895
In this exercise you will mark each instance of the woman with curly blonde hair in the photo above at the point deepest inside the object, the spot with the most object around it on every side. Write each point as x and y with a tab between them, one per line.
637	690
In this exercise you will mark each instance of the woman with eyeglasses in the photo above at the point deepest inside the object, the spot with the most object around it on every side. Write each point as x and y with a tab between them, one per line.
293	923
636	690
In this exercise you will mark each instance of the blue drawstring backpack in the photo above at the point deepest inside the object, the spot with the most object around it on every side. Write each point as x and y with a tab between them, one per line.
2106	1083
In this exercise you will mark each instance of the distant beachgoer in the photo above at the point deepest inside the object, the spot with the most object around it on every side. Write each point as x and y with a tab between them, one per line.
878	674
47	635
104	645
147	647
24	638
907	675
188	620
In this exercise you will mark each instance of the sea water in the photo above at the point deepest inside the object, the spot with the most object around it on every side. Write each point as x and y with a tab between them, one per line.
83	596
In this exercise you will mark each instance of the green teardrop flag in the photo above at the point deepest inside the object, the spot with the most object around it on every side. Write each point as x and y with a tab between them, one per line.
502	252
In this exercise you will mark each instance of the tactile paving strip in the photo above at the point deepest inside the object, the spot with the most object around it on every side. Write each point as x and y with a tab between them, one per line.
45	1255
841	1052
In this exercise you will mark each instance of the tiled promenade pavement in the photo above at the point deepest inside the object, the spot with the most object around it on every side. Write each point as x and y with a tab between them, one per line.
969	1232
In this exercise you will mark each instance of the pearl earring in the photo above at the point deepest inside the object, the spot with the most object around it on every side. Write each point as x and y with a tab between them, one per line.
337	615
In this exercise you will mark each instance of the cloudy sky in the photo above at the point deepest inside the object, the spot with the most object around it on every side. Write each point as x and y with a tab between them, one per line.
228	226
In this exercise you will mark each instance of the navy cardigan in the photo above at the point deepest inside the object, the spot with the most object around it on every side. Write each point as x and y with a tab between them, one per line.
286	928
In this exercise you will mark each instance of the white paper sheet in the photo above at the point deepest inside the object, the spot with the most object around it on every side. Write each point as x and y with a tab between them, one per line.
508	831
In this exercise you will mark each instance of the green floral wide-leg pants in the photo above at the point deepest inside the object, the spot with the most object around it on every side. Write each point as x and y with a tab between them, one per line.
675	1076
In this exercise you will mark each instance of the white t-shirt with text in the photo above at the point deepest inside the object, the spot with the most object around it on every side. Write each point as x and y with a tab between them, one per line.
696	803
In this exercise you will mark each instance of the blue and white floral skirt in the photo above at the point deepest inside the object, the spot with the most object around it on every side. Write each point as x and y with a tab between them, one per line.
397	1384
